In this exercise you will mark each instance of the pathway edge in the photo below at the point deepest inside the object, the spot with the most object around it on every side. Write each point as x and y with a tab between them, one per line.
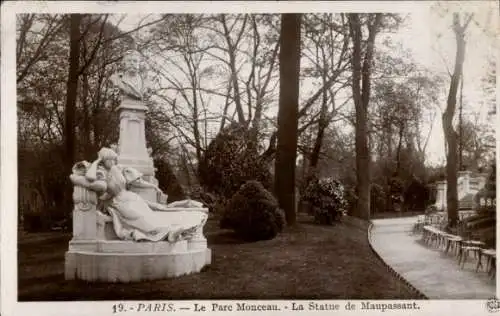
391	269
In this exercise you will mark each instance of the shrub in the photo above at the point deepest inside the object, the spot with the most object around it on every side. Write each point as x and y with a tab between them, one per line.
40	222
34	223
253	213
485	199
168	181
230	160
197	193
378	199
327	200
417	196
396	187
351	200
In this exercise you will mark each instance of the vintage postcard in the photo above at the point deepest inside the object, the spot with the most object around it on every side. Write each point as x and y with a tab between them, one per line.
209	157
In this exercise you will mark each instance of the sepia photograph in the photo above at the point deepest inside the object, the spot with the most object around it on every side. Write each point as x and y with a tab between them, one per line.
307	155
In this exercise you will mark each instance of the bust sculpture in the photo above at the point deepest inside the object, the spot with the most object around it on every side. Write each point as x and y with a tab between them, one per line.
131	81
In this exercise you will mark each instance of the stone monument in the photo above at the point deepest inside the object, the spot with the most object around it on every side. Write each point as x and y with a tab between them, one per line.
467	183
132	148
123	229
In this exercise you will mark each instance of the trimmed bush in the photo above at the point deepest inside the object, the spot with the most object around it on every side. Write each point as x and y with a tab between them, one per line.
253	213
327	199
230	160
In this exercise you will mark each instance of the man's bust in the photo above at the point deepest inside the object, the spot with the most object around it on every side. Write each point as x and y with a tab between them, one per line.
131	80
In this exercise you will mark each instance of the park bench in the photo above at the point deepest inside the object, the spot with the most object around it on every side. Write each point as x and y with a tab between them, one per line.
468	246
490	255
433	236
452	242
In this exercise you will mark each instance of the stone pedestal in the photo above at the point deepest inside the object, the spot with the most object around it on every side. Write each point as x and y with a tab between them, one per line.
126	266
132	149
441	195
84	214
96	254
198	242
463	180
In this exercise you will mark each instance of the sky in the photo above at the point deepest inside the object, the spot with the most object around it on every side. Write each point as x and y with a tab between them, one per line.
427	34
437	53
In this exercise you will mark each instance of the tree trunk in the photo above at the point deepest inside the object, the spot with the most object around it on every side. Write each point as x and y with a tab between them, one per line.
86	125
196	114
400	145
232	47
361	96
447	119
317	147
288	114
71	96
322	125
460	127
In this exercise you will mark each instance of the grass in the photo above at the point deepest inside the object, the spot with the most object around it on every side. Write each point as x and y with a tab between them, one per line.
304	262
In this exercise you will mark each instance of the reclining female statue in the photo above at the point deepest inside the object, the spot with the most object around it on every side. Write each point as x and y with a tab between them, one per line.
133	217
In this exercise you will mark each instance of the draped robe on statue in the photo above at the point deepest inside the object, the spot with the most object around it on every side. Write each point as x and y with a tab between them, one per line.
133	219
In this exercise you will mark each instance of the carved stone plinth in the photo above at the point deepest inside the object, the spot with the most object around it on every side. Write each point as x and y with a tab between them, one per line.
132	149
84	214
133	267
105	258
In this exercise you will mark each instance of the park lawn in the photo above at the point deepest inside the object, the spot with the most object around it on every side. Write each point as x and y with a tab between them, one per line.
304	262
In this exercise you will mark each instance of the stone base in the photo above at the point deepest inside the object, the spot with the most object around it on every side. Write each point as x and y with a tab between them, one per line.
127	267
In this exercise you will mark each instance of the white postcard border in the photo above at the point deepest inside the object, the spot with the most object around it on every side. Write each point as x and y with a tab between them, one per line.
8	192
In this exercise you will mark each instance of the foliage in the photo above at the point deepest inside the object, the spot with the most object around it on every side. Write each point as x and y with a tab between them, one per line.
491	183
253	213
35	223
485	199
206	51
417	196
351	200
41	185
230	161
477	143
396	190
42	63
378	202
167	181
327	199
226	69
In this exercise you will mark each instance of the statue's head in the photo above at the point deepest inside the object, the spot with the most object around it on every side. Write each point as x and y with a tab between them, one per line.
108	157
80	168
131	174
131	62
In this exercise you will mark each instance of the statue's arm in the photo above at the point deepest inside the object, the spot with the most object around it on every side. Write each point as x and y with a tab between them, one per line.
134	179
105	196
80	180
140	183
159	207
98	186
